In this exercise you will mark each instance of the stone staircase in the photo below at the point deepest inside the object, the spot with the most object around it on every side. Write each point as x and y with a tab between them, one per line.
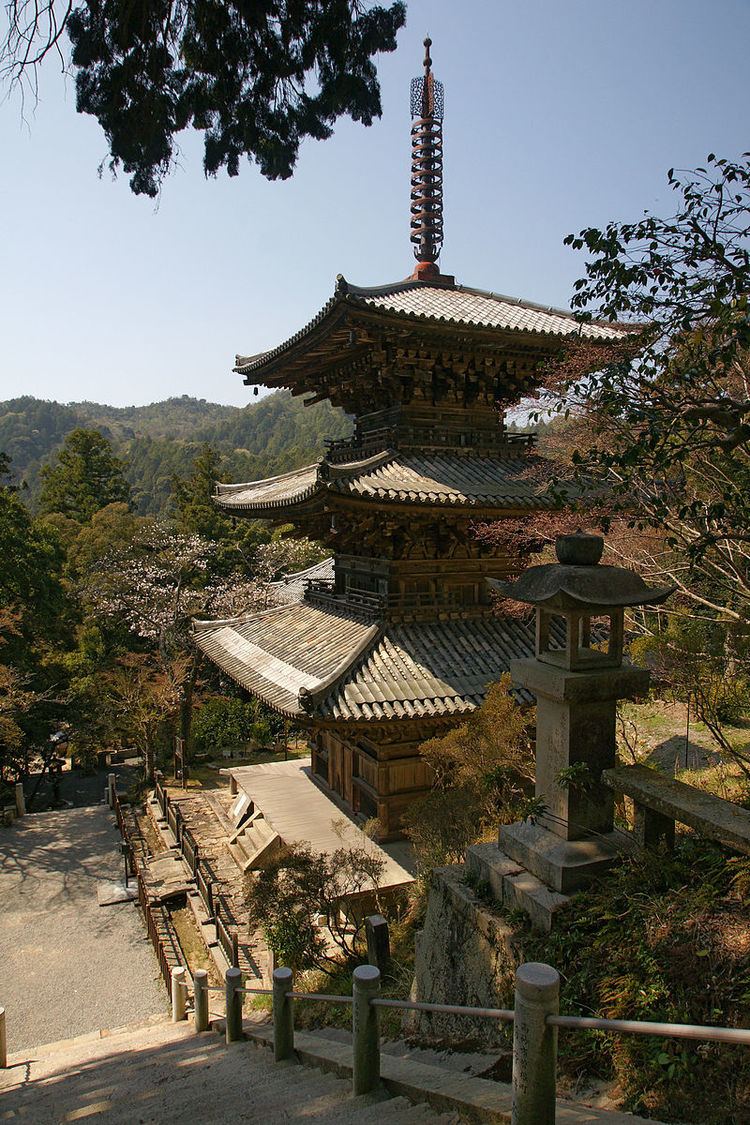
159	1073
250	843
166	1073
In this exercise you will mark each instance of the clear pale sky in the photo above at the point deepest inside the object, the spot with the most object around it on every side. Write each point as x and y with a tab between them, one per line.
559	114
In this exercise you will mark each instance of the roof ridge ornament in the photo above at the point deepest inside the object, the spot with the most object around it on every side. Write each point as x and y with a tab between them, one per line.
426	199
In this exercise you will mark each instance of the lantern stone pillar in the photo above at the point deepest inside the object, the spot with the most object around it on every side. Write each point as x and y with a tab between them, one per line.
577	676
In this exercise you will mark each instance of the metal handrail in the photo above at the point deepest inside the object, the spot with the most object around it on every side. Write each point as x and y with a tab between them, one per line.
581	1023
649	1027
504	1014
537	989
320	996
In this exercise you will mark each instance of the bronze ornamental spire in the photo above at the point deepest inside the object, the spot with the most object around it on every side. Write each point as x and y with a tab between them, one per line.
427	168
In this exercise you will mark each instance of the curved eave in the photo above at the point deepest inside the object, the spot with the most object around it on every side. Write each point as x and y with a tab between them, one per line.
269	509
263	368
479	507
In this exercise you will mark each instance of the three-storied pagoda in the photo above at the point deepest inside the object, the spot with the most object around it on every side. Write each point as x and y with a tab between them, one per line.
401	641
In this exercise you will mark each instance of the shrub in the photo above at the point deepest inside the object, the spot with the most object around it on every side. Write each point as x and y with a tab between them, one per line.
223	722
287	899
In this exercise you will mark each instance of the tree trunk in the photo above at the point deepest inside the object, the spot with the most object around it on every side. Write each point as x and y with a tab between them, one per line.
148	761
186	708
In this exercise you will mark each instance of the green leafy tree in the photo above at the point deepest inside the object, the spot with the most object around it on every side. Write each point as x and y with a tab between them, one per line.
222	723
661	440
192	496
255	79
301	888
87	477
482	772
30	562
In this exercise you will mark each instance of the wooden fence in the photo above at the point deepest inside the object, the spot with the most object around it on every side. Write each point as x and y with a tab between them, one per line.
228	939
155	914
205	889
190	850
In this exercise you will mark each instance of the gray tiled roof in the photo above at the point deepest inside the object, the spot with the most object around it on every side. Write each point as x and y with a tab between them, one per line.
354	671
429	669
444	304
281	653
439	479
446	478
461	305
273	492
291	589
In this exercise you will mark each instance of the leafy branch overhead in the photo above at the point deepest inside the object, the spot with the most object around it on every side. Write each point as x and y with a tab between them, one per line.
658	435
255	78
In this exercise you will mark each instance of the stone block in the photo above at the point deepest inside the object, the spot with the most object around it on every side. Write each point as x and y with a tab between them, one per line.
564	686
564	865
514	887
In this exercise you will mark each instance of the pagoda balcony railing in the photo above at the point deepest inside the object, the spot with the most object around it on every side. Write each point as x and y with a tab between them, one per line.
396	604
358	601
357	448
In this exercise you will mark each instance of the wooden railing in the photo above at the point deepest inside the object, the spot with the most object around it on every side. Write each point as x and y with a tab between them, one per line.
362	601
205	889
156	916
189	848
228	939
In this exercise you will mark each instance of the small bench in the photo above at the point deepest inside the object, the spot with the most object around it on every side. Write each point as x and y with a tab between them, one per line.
660	801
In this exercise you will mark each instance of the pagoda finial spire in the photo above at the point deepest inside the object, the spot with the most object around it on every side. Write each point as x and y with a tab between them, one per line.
427	168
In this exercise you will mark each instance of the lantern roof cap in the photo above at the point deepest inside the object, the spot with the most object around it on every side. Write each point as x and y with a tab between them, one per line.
579	586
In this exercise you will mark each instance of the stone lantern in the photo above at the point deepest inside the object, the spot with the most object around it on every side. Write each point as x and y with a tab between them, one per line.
577	676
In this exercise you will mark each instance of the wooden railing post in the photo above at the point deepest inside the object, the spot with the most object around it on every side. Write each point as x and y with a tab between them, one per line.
535	1045
200	994
233	981
283	1015
365	1030
378	941
179	993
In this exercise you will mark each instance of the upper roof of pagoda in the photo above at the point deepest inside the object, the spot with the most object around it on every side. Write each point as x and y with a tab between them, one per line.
384	327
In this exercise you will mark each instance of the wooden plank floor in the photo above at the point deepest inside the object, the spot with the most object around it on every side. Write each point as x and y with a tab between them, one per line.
300	812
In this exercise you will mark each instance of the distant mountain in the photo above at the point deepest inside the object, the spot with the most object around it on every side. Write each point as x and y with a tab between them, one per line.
271	436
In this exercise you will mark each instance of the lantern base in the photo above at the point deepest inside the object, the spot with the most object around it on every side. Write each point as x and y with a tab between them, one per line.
564	865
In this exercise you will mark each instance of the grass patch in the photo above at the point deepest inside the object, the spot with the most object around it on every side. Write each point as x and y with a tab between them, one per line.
663	938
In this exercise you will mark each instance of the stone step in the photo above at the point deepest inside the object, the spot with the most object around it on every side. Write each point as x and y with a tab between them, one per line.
256	838
164	1074
564	865
513	887
443	1090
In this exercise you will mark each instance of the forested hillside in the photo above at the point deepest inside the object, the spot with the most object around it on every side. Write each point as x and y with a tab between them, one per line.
162	439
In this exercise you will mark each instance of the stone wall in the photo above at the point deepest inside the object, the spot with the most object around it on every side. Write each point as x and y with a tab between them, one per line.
465	954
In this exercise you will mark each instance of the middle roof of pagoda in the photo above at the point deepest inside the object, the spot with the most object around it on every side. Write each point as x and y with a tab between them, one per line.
483	485
358	325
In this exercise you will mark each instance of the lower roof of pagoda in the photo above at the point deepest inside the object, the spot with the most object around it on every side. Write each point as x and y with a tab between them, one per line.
430	480
322	664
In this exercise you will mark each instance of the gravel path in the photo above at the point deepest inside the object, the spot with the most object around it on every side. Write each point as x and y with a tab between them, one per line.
69	966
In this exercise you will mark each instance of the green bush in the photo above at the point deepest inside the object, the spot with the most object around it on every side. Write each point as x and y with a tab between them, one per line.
223	722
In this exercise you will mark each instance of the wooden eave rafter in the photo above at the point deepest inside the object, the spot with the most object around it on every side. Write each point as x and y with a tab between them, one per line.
316	351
